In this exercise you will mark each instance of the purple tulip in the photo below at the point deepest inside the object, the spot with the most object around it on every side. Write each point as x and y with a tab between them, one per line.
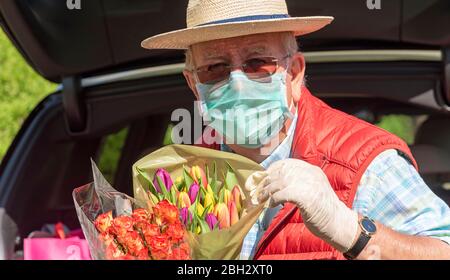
165	178
186	216
193	191
211	220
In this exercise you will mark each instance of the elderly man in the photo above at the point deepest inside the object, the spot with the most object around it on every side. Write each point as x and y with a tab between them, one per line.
337	186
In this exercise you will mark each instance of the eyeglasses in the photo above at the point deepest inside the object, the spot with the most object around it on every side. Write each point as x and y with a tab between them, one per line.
255	69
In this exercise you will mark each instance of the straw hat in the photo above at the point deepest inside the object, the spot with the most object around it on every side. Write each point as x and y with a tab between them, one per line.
209	20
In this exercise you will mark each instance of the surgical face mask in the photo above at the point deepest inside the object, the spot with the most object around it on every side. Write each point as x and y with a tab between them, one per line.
246	112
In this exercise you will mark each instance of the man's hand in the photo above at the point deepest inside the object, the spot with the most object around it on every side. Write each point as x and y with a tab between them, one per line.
307	186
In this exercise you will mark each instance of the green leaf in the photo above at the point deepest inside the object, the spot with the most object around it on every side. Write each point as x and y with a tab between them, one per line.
160	196
207	174
202	192
216	226
204	226
213	181
163	188
216	197
190	223
173	193
151	187
221	195
230	178
195	220
205	211
187	178
153	199
192	208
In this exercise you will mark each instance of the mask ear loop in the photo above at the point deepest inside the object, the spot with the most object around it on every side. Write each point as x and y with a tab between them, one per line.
290	114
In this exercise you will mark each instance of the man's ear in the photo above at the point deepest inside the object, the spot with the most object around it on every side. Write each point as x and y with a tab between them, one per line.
189	76
298	73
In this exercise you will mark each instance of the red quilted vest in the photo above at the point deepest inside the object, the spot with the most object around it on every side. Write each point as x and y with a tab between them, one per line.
343	147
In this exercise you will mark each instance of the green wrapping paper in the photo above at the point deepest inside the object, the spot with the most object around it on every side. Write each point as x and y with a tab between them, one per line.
223	244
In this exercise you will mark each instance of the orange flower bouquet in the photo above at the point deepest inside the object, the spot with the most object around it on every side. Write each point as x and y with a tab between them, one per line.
118	228
144	235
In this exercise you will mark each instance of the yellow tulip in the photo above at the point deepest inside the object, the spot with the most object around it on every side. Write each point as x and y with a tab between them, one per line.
226	194
209	190
183	200
179	180
200	209
198	175
209	200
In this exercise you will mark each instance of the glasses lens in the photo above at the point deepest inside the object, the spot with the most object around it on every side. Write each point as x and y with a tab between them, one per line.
255	69
214	73
262	67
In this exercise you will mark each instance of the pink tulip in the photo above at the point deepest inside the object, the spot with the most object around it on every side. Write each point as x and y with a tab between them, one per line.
165	178
186	216
193	191
211	220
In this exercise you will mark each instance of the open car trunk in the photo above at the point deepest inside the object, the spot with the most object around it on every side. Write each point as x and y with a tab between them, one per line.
392	62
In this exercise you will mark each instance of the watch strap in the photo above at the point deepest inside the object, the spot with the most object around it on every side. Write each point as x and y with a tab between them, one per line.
357	248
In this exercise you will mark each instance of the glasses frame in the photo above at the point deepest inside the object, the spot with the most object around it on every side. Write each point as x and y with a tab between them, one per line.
241	67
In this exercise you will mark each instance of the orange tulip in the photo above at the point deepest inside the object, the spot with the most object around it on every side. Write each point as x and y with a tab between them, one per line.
234	214
223	215
198	175
236	195
226	194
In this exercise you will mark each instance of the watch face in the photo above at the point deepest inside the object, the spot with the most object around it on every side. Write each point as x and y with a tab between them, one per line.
368	225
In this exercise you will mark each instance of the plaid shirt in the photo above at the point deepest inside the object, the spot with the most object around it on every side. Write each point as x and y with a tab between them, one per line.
390	192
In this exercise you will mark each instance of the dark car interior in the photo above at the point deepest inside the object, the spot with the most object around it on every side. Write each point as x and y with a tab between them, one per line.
109	84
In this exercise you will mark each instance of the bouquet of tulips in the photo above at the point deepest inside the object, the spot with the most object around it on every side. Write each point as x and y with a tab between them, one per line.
202	214
205	185
205	204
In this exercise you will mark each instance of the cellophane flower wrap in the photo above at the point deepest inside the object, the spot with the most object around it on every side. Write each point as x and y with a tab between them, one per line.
118	227
208	188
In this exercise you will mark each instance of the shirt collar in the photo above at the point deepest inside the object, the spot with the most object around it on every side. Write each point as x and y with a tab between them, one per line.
283	151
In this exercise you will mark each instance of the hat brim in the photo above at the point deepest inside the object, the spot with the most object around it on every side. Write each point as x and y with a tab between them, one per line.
183	38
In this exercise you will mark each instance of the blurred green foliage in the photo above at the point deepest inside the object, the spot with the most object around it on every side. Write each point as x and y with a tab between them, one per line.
21	89
400	125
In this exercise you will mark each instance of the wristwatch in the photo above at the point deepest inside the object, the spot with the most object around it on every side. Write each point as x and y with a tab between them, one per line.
368	229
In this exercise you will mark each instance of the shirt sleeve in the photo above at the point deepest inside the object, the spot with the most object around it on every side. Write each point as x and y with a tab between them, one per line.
393	193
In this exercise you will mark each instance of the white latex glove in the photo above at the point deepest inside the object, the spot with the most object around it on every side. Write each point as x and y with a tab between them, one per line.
255	184
307	186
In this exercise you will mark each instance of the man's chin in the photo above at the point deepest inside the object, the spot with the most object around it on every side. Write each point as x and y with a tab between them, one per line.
257	149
